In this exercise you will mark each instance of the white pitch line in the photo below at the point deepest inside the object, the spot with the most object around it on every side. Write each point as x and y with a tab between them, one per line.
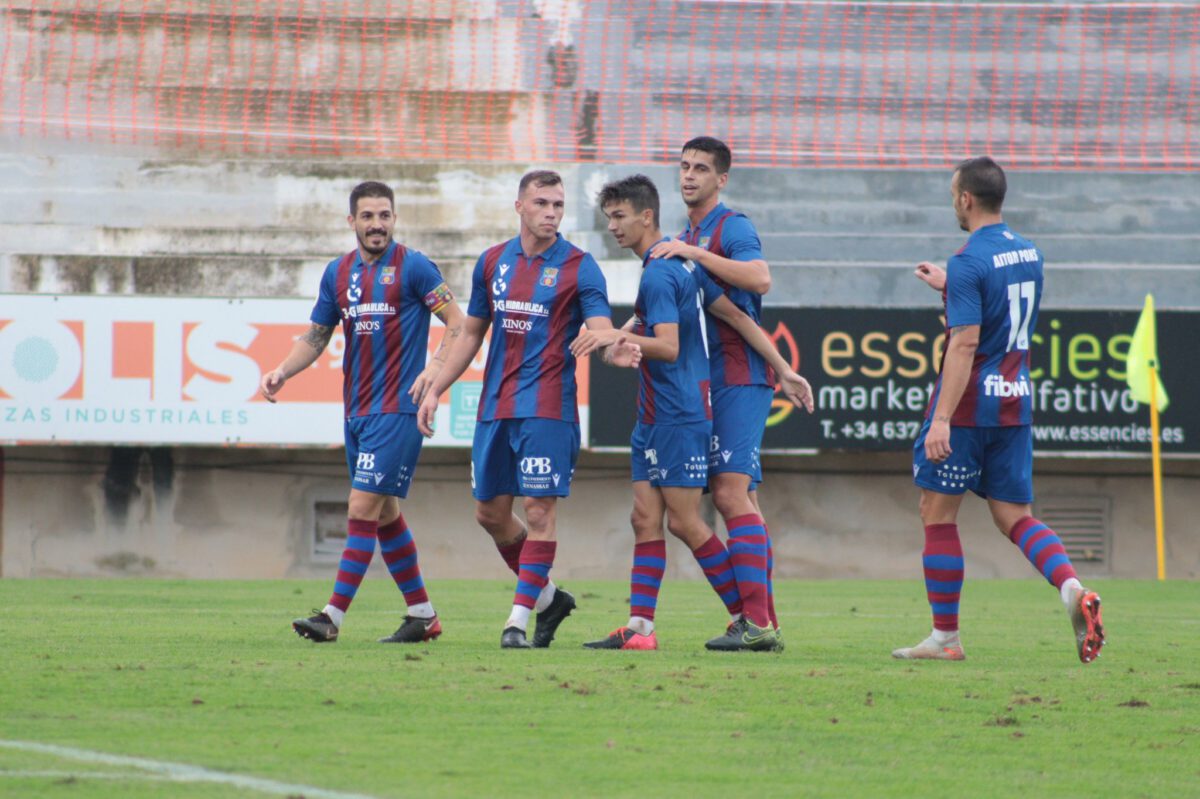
180	771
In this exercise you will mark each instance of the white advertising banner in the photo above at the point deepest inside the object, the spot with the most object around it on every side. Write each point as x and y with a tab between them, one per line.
79	369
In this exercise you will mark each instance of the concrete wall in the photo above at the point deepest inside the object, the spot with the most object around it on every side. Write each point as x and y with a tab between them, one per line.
89	511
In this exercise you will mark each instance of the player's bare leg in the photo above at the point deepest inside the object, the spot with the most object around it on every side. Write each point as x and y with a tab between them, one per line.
942	563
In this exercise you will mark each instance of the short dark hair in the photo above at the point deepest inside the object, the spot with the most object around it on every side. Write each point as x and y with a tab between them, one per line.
639	190
371	188
722	155
984	179
539	178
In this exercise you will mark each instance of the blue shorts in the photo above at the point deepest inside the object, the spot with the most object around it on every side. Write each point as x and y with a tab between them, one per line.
671	455
382	451
523	458
739	419
994	462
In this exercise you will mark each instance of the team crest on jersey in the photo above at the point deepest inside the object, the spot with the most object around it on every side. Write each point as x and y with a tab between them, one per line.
704	240
388	276
549	276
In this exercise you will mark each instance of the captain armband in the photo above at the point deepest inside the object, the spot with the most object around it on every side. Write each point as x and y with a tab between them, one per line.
439	298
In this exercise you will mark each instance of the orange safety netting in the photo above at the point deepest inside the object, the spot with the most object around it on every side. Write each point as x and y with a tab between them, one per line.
824	84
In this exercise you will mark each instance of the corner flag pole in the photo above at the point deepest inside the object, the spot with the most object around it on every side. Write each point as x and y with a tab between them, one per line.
1156	457
1145	386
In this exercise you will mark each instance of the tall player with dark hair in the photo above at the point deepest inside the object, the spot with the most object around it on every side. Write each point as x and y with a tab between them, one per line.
535	291
670	442
382	293
725	245
977	433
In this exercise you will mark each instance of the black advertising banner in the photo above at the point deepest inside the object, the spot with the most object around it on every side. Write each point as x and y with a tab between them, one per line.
872	372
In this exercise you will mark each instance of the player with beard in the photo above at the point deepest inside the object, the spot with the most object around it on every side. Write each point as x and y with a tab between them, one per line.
977	433
383	294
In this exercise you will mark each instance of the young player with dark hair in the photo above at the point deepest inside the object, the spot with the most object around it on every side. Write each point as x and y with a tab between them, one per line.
977	433
670	442
382	293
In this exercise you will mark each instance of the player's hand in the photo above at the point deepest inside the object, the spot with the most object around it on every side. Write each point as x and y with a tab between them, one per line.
271	382
937	442
589	341
931	275
797	389
674	248
624	353
424	382
427	412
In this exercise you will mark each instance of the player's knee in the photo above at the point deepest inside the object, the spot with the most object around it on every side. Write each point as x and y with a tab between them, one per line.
489	518
642	522
731	501
539	515
680	527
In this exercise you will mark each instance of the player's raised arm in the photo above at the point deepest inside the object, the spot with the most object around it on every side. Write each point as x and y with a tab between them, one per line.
752	275
931	275
305	350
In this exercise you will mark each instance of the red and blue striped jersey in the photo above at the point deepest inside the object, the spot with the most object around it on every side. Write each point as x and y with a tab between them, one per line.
384	309
536	306
995	281
674	291
731	360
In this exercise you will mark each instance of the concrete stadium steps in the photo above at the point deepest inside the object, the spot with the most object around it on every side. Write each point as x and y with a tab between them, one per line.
186	275
247	194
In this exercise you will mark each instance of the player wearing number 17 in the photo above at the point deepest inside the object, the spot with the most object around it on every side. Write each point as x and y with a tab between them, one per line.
977	434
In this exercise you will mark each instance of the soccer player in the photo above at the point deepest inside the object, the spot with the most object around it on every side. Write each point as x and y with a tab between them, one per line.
670	442
535	291
725	245
383	294
977	433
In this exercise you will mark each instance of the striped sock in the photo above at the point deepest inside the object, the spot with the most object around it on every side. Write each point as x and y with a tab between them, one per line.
943	564
356	557
537	557
714	560
748	554
1044	550
511	553
400	554
649	563
770	578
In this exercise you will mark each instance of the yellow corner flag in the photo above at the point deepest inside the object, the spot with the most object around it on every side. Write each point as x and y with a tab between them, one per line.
1143	361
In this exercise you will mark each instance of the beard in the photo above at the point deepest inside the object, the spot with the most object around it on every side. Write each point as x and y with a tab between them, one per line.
362	241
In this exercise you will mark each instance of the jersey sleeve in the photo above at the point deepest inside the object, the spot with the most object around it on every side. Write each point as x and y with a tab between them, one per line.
593	291
427	283
659	292
710	292
739	239
479	306
964	292
326	311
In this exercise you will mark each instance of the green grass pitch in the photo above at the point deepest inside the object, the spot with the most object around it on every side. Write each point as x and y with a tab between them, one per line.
209	674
